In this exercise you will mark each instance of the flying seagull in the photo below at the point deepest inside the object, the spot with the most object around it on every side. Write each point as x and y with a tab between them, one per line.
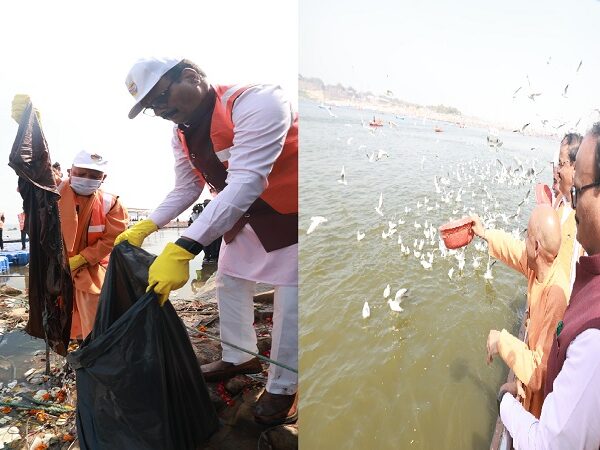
395	304
315	221
522	128
533	95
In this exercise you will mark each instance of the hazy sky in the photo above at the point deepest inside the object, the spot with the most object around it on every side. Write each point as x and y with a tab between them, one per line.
72	58
469	54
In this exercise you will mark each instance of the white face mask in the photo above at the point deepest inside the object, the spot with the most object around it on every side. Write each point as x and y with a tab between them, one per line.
84	186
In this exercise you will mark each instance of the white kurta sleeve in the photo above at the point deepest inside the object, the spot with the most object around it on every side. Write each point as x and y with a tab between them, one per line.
569	416
262	117
188	187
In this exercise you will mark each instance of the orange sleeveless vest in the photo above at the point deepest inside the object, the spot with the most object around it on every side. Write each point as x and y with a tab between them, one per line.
282	190
98	218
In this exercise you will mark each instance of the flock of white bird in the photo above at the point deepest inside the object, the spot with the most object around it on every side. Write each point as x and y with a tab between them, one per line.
465	188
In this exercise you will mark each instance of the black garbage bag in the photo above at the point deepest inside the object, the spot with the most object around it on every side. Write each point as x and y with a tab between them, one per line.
139	385
50	284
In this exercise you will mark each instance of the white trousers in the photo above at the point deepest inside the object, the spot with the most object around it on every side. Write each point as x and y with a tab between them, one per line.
236	316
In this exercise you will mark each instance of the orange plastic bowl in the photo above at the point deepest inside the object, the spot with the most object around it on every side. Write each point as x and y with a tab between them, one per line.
543	194
457	233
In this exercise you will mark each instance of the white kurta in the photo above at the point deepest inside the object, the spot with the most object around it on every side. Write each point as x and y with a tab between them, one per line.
262	117
570	416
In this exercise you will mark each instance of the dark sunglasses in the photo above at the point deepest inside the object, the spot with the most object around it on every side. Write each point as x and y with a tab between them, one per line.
576	191
160	100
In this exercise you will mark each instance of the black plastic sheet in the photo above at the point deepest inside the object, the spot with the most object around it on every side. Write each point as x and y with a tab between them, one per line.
50	284
139	385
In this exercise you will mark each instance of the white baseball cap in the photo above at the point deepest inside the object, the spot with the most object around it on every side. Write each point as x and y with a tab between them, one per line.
88	160
144	75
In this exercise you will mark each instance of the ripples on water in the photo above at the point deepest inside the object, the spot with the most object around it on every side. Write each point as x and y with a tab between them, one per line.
416	379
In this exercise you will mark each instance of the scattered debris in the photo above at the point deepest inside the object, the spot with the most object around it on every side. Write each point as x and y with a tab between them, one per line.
37	412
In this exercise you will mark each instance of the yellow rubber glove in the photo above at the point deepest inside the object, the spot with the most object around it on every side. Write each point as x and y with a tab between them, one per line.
169	271
137	233
19	103
75	262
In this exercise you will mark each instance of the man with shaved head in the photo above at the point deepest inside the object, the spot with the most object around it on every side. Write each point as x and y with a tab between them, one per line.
569	418
546	300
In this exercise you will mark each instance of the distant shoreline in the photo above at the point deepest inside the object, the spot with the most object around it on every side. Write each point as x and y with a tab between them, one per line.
314	89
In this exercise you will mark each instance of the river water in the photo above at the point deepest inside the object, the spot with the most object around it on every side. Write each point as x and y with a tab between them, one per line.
415	379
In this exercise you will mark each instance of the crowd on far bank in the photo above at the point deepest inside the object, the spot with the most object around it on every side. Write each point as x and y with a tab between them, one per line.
555	399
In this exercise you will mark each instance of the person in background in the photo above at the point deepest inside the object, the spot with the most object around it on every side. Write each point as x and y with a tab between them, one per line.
90	219
570	249
58	175
558	197
196	210
242	141
2	220
21	217
569	418
211	251
546	299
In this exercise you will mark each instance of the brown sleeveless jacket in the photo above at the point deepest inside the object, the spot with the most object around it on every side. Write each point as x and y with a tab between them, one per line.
204	137
582	313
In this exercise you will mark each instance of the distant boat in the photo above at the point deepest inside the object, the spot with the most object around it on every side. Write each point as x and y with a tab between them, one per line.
376	122
438	130
493	138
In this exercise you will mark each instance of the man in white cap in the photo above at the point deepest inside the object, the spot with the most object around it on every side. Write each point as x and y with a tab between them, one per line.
90	220
243	142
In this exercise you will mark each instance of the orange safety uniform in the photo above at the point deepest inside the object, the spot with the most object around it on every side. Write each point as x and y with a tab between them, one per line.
89	225
546	305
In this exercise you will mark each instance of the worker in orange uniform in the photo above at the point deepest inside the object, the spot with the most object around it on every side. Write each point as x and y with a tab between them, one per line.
547	285
90	220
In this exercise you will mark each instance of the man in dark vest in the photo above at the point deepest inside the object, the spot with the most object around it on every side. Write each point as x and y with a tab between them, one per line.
243	142
570	416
